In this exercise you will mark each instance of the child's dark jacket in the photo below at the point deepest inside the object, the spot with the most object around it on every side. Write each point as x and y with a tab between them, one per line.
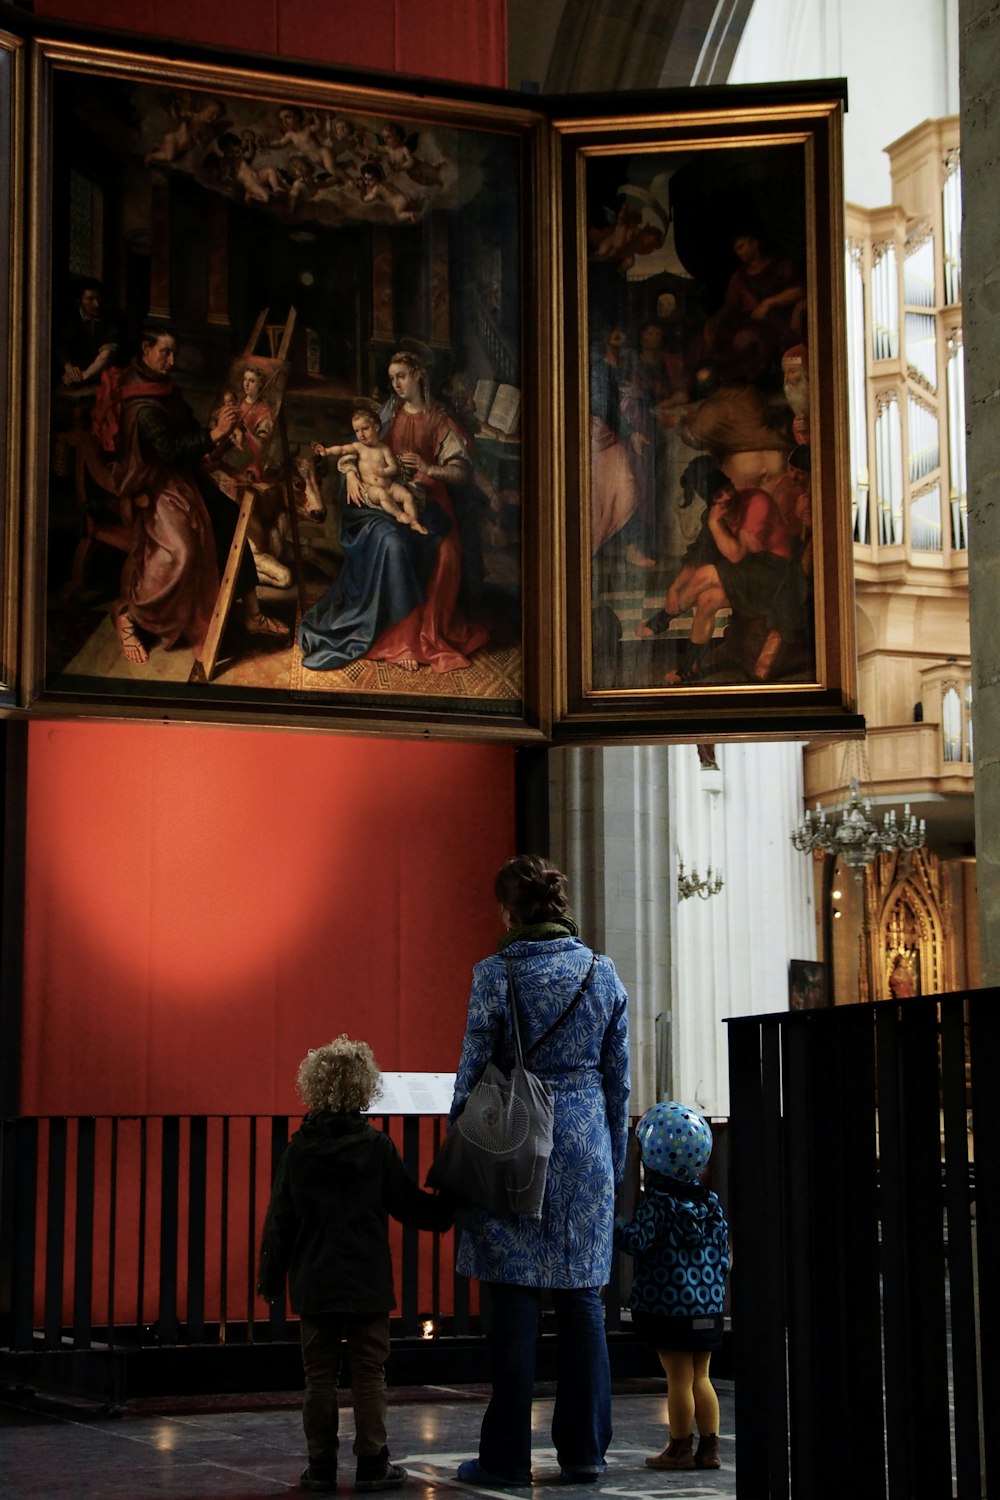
326	1227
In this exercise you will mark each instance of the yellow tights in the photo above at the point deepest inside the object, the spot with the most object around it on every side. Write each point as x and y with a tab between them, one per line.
690	1393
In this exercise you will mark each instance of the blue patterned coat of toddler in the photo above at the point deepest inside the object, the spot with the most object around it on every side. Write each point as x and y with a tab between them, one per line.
679	1240
586	1061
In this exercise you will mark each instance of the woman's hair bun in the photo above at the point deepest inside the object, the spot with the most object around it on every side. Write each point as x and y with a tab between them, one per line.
531	889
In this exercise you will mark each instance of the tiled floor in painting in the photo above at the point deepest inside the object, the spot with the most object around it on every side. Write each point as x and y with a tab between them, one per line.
185	1452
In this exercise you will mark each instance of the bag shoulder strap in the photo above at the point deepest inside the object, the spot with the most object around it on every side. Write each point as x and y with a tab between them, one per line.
512	993
512	1001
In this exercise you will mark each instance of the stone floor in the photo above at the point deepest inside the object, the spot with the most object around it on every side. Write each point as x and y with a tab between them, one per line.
251	1448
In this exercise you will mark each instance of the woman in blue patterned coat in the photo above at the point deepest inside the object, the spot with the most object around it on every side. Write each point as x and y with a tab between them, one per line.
568	1251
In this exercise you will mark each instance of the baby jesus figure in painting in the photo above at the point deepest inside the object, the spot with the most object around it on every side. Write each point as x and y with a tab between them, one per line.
377	468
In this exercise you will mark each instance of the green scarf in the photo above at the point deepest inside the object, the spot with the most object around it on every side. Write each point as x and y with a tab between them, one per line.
539	932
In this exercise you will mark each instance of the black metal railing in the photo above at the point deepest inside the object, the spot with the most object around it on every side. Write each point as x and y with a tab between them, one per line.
123	1237
865	1209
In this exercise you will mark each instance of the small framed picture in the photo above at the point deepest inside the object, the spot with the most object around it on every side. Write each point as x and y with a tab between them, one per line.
807	985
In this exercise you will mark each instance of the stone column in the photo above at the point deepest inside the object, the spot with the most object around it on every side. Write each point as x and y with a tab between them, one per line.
620	818
610	832
731	952
979	48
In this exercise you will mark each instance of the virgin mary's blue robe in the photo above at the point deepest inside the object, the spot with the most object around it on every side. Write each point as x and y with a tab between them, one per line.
398	590
383	578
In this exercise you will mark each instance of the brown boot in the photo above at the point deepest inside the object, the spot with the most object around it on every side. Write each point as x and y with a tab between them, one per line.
676	1455
707	1456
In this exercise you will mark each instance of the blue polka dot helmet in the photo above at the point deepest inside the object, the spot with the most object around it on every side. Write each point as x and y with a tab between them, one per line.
674	1140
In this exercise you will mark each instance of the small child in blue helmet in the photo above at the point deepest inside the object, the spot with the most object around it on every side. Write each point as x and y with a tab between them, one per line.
679	1241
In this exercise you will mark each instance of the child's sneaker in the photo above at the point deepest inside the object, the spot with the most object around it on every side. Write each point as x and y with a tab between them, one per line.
391	1477
319	1478
375	1472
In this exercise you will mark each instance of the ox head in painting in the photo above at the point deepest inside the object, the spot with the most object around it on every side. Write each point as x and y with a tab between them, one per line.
307	471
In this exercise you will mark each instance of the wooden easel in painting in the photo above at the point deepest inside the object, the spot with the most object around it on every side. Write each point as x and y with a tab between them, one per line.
279	339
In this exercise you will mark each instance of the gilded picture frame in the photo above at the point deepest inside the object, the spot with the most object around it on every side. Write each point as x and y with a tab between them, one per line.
548	523
237	266
706	562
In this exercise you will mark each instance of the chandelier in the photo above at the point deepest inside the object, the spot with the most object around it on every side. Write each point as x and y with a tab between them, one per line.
697	885
854	836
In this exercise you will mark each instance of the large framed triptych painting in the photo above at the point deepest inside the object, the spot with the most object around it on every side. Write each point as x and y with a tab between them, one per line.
385	406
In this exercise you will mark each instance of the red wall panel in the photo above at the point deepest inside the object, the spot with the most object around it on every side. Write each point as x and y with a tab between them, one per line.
435	39
203	905
363	36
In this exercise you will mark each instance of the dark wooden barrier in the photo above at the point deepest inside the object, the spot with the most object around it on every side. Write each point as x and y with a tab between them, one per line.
128	1253
865	1208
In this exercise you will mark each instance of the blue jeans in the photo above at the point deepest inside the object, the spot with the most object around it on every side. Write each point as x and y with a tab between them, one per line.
581	1421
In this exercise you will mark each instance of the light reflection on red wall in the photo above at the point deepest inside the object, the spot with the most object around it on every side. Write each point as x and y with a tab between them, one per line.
203	905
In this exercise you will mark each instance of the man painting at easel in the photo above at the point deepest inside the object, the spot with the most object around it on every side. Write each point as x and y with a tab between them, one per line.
183	524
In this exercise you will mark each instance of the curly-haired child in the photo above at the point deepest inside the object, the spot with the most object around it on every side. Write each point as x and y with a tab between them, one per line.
327	1230
679	1240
